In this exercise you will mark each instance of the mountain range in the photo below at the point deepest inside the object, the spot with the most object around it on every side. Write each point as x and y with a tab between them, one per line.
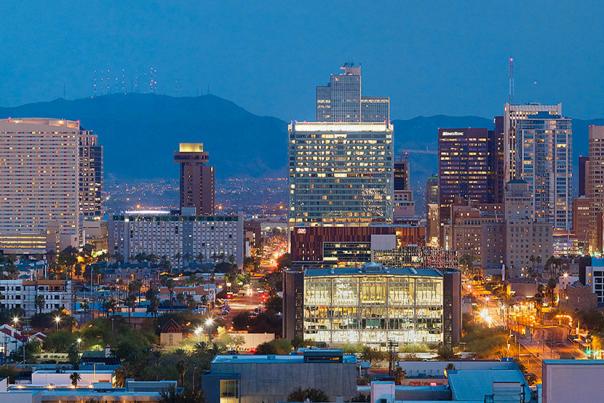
140	133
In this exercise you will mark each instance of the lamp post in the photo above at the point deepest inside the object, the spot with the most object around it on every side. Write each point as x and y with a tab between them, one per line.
15	321
198	331
208	324
57	321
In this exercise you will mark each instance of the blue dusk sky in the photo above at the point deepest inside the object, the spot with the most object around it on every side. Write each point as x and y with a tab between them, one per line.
430	57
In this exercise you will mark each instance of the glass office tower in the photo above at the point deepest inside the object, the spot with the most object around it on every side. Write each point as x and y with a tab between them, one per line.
544	160
340	173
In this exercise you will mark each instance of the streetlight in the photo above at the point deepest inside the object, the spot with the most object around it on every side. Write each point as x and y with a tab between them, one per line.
79	341
208	323
57	320
198	330
15	320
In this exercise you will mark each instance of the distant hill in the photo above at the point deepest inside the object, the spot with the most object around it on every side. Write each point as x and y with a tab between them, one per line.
140	133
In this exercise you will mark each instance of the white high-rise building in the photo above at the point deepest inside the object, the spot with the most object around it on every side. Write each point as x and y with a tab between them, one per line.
538	141
39	184
50	179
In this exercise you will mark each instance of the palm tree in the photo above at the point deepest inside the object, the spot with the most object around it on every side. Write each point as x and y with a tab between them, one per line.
180	367
40	303
130	303
75	378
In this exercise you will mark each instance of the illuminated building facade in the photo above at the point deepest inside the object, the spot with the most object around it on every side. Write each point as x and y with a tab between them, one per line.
373	305
404	206
179	238
544	161
39	185
467	172
512	114
197	183
340	173
416	256
91	176
22	294
347	246
595	186
341	100
529	243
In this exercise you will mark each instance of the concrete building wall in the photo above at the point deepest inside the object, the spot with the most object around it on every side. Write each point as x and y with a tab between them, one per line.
572	381
272	383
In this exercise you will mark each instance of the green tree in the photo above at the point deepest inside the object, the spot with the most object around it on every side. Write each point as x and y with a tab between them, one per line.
75	378
40	302
372	355
313	395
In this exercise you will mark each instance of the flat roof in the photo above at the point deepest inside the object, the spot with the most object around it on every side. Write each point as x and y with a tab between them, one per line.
272	359
475	384
375	270
573	362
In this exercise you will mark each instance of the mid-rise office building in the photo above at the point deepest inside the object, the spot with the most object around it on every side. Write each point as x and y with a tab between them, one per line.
345	246
595	186
179	238
197	182
341	100
36	296
478	232
582	221
404	206
340	173
39	185
528	241
544	161
374	305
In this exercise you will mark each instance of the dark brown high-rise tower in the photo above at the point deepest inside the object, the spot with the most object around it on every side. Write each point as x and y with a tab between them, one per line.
196	178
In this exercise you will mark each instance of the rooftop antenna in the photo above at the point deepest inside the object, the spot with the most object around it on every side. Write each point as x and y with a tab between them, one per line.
510	79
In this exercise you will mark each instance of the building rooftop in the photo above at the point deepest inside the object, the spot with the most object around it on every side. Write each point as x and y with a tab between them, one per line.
573	362
272	359
474	385
375	268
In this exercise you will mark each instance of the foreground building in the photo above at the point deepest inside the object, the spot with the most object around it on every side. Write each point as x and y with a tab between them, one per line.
271	378
340	173
177	237
374	305
559	374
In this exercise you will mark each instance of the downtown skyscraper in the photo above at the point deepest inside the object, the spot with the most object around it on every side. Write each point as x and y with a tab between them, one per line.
538	141
341	167
466	169
50	181
341	100
197	182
